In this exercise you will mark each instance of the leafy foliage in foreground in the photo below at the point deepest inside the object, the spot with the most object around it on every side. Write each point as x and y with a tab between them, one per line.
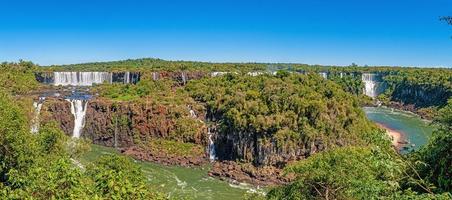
18	78
353	173
370	173
45	166
345	173
436	157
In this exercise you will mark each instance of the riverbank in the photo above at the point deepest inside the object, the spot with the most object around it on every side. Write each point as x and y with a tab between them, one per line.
181	182
424	113
398	138
411	127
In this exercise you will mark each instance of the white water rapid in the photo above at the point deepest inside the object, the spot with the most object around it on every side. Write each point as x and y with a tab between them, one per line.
78	109
81	78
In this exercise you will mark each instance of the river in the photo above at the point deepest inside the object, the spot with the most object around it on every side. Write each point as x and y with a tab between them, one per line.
181	181
414	129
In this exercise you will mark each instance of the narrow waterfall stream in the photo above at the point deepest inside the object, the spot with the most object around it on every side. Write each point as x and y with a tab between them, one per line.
78	110
192	113
155	76
35	122
184	77
211	146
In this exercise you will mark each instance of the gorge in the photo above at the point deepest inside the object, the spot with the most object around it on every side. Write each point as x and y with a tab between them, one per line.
243	128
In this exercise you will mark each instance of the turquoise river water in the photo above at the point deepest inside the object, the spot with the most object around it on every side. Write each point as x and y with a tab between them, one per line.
414	130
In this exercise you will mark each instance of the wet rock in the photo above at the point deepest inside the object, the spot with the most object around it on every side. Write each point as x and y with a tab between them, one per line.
247	173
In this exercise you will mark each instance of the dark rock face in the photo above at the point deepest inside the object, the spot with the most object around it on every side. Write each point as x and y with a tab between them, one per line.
117	124
262	151
59	110
421	96
246	173
127	121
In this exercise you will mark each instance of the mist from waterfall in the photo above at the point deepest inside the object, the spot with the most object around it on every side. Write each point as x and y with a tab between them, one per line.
35	122
78	110
81	78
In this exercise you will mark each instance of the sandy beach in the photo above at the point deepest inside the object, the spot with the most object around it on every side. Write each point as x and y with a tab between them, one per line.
397	137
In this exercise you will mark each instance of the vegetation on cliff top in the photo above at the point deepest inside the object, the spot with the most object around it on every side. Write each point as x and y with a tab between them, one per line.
45	166
18	78
290	110
363	172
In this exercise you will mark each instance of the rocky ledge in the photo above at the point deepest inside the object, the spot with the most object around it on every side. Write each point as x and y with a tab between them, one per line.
247	173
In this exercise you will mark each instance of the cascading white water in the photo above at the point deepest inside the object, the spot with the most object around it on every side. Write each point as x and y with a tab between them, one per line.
155	76
127	77
214	74
211	147
184	77
193	113
81	78
78	109
35	121
323	74
370	84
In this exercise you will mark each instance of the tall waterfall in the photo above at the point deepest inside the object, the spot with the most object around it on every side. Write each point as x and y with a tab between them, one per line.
370	84
78	109
211	147
127	77
81	78
35	121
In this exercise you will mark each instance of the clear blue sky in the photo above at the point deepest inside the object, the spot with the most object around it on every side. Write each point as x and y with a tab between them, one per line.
383	32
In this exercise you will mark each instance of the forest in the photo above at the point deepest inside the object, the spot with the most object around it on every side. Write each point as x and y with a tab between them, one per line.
311	127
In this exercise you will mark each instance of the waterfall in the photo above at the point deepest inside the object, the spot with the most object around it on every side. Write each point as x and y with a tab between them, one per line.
126	77
211	147
35	121
323	74
184	77
155	76
192	113
370	84
255	73
81	78
78	109
214	74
